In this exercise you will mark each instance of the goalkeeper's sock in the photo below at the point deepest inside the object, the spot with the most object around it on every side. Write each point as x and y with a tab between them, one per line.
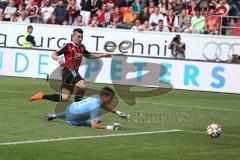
55	116
59	115
53	97
79	94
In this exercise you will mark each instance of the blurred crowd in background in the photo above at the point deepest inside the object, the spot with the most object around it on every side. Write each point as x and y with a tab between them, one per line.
182	16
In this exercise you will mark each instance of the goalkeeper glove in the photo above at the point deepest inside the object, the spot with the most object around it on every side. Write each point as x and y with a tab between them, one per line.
115	126
123	115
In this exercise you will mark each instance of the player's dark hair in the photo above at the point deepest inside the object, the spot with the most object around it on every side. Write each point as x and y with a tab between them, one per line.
107	91
177	38
79	30
28	27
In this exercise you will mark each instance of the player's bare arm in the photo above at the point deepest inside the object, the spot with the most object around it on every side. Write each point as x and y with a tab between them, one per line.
96	124
117	112
96	55
57	58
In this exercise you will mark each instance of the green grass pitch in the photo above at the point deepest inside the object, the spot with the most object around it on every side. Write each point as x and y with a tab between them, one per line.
22	120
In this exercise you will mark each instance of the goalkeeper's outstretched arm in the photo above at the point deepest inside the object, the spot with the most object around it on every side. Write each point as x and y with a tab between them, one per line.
117	112
96	124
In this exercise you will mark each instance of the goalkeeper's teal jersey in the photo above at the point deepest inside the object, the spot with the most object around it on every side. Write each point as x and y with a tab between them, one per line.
87	109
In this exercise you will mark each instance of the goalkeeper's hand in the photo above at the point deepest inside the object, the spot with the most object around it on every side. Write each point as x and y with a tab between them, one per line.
115	126
123	115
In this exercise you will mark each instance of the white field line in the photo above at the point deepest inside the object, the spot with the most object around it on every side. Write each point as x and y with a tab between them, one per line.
87	137
201	132
190	106
156	103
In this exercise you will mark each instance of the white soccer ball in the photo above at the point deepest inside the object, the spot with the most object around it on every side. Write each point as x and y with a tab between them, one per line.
214	130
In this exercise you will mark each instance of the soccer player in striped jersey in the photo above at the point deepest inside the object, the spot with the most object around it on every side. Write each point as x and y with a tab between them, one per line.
73	53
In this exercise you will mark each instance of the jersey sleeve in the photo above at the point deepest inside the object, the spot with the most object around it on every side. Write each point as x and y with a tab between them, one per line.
62	50
86	53
95	114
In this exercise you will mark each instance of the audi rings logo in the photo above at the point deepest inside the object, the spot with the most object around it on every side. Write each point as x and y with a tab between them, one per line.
214	51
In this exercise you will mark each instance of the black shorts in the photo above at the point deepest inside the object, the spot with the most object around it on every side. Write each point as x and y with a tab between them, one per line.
70	78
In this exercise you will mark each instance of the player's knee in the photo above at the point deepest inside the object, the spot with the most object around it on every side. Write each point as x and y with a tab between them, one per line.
82	86
65	97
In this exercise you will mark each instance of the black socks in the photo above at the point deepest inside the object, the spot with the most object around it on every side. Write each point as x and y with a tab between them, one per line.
53	97
79	95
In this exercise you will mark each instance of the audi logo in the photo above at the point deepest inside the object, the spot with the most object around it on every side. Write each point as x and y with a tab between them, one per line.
223	51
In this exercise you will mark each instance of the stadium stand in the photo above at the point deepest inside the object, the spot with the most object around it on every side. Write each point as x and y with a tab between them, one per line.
236	30
178	15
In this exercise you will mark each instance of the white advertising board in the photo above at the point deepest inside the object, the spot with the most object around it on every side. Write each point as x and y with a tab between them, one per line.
139	71
153	44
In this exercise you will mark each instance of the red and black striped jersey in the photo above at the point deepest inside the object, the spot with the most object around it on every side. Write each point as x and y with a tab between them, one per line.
73	55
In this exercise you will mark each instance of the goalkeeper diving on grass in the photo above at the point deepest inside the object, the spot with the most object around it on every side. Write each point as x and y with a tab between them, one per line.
87	112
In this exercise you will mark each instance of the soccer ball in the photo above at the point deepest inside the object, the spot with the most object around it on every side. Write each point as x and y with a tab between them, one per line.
214	130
